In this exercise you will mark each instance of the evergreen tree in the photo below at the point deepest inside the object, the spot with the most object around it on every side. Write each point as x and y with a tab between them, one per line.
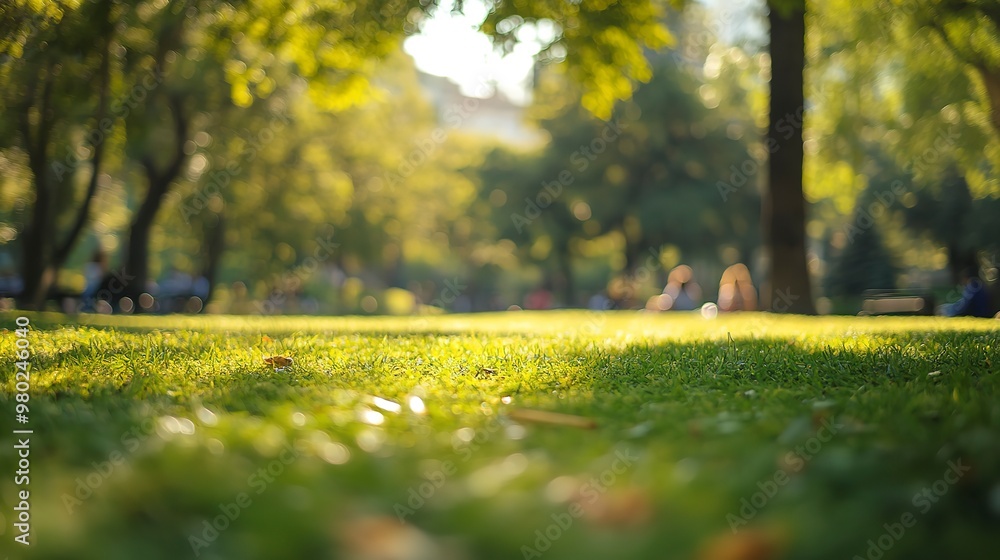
863	264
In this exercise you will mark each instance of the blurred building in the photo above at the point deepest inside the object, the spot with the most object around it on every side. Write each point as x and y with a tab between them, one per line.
495	116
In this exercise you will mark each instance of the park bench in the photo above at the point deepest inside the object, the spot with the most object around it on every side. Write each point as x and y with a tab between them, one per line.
897	302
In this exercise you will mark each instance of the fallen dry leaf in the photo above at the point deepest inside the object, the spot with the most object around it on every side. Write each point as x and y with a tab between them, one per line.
820	417
556	418
278	362
744	545
621	508
386	538
791	463
695	429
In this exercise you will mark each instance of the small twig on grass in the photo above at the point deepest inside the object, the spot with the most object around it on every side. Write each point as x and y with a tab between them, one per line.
545	417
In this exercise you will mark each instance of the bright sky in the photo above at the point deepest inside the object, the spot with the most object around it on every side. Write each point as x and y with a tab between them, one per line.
449	45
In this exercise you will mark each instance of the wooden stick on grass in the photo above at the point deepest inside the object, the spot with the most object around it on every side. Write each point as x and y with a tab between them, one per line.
556	418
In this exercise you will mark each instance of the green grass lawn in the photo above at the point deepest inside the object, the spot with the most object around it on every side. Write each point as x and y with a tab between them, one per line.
812	437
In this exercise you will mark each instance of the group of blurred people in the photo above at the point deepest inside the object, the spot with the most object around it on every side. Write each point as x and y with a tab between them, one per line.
738	293
177	292
181	292
683	293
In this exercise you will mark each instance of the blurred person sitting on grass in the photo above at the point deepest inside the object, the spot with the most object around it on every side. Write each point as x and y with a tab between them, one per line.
975	300
93	273
683	291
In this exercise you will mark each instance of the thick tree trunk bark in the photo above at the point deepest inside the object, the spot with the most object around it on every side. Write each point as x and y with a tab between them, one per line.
565	283
788	289
62	251
136	271
37	245
215	245
959	260
991	81
83	213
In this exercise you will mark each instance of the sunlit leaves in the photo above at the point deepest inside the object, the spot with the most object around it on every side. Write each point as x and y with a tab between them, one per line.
603	42
895	76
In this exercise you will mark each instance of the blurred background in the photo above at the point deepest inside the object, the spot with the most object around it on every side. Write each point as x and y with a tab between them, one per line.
390	157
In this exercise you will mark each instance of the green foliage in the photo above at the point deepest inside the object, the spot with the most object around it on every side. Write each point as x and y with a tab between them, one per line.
368	180
953	219
898	97
897	90
863	264
900	88
603	42
194	82
647	180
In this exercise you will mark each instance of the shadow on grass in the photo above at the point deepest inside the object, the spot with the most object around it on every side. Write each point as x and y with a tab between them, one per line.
710	421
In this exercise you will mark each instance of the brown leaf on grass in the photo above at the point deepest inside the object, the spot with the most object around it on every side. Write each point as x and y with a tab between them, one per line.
617	508
278	362
386	538
791	463
265	339
746	544
554	418
695	429
821	417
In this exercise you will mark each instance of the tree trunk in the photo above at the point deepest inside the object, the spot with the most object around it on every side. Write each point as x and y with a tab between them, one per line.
631	258
991	82
43	258
959	261
788	288
214	247
37	245
564	283
136	271
63	250
954	206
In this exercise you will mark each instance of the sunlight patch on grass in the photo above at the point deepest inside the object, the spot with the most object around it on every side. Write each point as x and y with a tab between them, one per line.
709	408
